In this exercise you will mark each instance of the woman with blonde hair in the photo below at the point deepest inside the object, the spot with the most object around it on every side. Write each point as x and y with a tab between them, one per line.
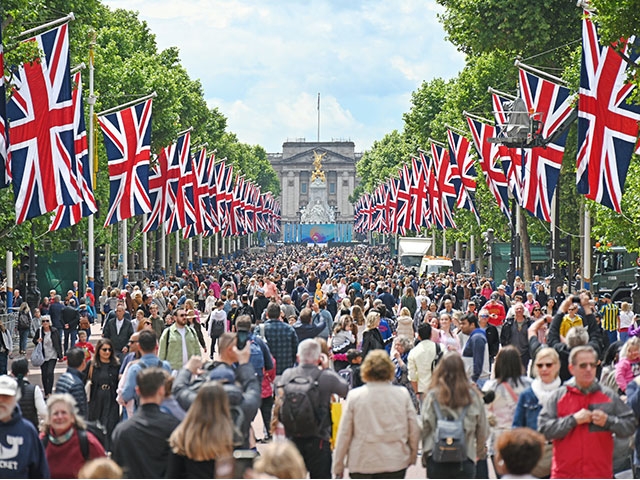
455	397
405	323
626	320
280	460
204	436
629	363
547	370
372	338
357	314
370	443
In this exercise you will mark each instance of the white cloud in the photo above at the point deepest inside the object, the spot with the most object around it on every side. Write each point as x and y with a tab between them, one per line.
263	63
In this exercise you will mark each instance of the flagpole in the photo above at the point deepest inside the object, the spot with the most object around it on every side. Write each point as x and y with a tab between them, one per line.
177	250
53	23
553	78
441	144
91	260
476	117
163	252
502	94
457	130
128	104
123	252
145	252
190	254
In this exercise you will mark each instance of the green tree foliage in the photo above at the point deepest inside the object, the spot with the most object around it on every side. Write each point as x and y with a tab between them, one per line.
128	65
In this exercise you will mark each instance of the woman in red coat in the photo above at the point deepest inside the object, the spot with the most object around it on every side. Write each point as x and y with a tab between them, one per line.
63	440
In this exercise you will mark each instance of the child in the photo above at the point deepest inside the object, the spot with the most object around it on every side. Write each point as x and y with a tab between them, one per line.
82	343
352	372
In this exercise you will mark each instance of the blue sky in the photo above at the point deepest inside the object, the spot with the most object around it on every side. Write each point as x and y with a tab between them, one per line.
263	63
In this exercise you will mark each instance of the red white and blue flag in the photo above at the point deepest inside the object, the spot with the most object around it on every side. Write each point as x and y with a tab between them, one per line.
201	196
607	122
419	200
445	175
460	155
224	179
213	195
127	139
433	195
175	153
403	201
157	184
66	215
489	152
541	168
42	135
5	169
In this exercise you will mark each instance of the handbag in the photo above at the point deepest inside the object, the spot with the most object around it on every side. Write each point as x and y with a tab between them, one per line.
37	357
336	414
89	385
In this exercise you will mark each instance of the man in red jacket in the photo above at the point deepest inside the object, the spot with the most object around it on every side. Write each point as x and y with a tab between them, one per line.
581	418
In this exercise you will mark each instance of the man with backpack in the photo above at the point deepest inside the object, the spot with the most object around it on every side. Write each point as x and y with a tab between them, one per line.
305	393
296	295
422	360
72	381
179	342
260	355
147	346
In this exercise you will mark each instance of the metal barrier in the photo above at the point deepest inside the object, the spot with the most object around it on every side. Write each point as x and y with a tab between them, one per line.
10	322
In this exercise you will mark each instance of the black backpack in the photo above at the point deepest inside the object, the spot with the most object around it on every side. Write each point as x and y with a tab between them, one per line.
450	444
24	321
299	412
437	358
96	428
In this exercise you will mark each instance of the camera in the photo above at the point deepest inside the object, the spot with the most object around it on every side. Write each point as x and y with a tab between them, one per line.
575	298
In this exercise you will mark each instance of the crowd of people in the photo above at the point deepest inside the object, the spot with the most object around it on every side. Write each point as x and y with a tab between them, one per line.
355	364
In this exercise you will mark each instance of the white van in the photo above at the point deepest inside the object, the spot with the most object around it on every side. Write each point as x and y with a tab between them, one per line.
431	264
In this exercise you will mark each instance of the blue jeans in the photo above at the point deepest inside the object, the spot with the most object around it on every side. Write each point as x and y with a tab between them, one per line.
624	336
4	358
72	335
24	337
613	335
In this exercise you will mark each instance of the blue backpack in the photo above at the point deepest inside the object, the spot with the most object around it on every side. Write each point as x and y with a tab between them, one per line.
257	357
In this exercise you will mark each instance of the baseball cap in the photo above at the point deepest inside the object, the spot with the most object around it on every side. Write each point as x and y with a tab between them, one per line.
8	386
501	287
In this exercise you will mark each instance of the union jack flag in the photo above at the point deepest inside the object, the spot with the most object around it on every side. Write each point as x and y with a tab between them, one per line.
403	201
42	140
185	208
488	152
512	162
553	103
65	215
213	196
224	180
364	214
445	175
460	155
5	172
157	184
173	173
201	196
419	195
276	217
607	123
127	138
391	206
434	211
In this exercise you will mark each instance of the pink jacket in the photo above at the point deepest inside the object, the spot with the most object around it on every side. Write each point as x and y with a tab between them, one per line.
624	373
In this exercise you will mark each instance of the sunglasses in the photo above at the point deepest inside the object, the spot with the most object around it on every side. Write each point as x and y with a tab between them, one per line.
105	350
584	366
536	309
183	315
147	323
133	341
546	365
46	321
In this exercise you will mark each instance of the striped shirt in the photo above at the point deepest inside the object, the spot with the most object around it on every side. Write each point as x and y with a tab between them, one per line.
610	315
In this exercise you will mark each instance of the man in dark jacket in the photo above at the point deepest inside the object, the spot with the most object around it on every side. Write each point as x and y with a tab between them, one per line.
70	321
305	328
514	332
118	330
141	443
55	312
72	381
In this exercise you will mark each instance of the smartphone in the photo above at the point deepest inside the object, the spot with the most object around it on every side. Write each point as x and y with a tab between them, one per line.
242	339
243	460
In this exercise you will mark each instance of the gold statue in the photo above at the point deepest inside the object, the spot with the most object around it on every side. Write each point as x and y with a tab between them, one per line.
317	163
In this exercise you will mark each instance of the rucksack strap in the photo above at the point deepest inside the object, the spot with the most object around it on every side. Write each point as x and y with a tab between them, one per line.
439	415
83	439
